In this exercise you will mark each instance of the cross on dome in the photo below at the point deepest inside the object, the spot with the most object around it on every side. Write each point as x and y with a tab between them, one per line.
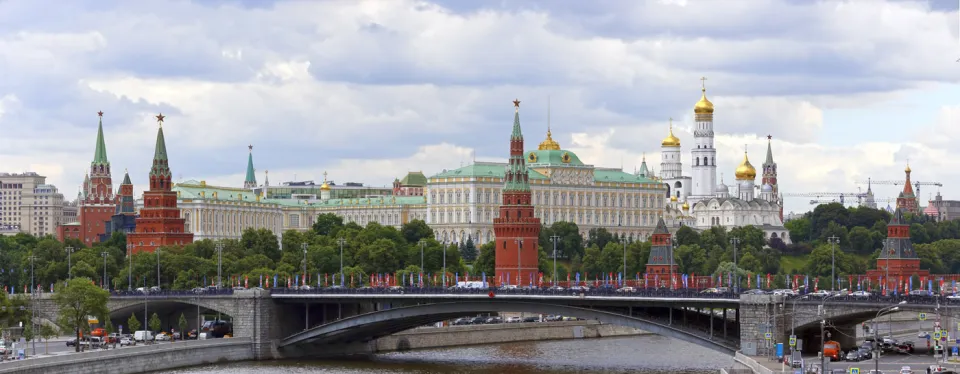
703	85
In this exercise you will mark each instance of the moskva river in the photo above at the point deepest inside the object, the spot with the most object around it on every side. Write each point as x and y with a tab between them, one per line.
643	354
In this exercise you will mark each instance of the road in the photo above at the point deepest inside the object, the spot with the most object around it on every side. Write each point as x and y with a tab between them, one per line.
891	362
58	346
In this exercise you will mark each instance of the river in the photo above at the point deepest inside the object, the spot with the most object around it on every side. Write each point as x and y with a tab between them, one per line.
649	354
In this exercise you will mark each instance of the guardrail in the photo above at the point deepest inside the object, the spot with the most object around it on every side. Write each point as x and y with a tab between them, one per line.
477	291
173	293
879	299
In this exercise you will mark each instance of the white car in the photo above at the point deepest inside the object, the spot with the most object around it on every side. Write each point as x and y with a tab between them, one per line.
860	294
922	334
162	337
514	320
127	341
821	293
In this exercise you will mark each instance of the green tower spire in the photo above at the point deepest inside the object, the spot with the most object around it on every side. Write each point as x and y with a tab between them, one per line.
517	174
160	167
251	180
126	177
100	155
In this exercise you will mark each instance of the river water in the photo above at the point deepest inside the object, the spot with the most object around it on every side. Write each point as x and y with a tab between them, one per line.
646	354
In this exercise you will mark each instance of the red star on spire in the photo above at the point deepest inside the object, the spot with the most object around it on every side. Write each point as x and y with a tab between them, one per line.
100	114
769	137
516	103
160	117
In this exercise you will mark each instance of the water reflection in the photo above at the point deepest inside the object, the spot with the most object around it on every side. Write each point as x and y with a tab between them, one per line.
647	354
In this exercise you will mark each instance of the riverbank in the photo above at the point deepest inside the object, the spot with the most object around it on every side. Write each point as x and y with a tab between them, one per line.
451	336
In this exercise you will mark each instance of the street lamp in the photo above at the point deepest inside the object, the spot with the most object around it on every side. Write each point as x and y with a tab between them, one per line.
554	239
304	246
158	268
834	240
104	254
69	263
341	241
519	260
444	263
130	269
219	248
876	342
823	323
422	243
736	268
33	306
673	244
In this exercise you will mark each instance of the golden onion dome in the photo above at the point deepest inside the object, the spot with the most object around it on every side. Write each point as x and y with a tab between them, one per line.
324	186
907	169
703	106
673	199
686	206
670	140
549	144
746	171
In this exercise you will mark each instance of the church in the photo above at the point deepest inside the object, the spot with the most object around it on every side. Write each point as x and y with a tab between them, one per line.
701	202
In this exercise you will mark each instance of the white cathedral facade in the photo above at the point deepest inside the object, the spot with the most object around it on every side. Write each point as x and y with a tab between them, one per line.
701	202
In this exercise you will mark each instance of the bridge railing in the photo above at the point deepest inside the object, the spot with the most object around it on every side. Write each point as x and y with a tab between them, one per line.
519	291
880	299
172	293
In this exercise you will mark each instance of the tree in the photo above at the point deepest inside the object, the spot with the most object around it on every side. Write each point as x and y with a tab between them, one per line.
78	298
328	224
468	250
28	332
799	229
687	236
133	323
486	262
47	331
182	322
155	324
108	325
416	230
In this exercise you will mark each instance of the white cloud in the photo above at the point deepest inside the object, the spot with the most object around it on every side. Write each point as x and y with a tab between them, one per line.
371	89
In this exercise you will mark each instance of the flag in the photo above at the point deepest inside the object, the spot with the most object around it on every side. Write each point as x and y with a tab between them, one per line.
246	281
484	274
578	277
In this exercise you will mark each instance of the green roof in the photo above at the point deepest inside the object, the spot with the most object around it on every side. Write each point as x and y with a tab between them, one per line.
100	154
552	157
414	178
192	189
126	178
358	202
484	169
498	170
160	167
251	179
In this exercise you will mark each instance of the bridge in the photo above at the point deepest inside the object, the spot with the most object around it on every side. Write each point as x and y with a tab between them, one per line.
295	323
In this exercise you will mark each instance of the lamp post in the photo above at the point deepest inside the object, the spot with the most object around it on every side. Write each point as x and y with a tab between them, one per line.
130	269
69	263
33	306
304	246
106	284
341	241
673	244
219	248
444	263
823	323
158	268
519	248
736	268
422	243
554	239
876	342
834	240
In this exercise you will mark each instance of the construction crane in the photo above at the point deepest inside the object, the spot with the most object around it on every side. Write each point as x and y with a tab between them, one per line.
838	195
875	200
900	183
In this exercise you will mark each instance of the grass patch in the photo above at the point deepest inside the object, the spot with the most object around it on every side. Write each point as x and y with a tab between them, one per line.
790	263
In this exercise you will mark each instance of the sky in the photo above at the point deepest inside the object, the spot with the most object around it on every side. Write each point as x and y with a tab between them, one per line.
369	90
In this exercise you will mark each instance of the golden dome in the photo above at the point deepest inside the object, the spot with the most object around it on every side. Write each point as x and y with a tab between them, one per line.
686	206
703	106
549	144
324	186
907	169
671	141
746	171
673	199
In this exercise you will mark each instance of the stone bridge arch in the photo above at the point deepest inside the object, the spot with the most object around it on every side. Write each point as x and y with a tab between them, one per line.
170	308
369	326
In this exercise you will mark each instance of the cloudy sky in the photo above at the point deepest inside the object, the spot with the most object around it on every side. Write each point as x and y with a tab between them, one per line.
368	90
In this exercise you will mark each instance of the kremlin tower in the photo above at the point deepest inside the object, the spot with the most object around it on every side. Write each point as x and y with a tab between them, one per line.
661	254
897	259
159	223
251	180
96	200
769	190
907	200
517	230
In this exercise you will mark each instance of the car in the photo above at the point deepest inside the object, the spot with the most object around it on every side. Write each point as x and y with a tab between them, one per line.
162	337
494	319
531	319
860	294
923	335
477	320
509	287
626	289
906	370
555	288
866	353
853	355
461	322
514	320
125	341
820	293
905	348
553	318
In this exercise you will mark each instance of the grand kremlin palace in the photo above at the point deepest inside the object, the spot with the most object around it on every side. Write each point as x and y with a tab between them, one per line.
457	204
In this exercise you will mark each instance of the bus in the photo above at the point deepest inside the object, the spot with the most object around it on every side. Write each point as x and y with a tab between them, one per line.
217	328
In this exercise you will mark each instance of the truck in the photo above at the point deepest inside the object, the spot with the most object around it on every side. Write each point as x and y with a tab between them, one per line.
831	349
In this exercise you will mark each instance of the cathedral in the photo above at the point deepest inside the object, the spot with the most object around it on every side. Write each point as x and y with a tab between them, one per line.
700	201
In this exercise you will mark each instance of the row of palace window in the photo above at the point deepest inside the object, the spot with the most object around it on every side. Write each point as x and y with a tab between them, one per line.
588	217
453	236
629	200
